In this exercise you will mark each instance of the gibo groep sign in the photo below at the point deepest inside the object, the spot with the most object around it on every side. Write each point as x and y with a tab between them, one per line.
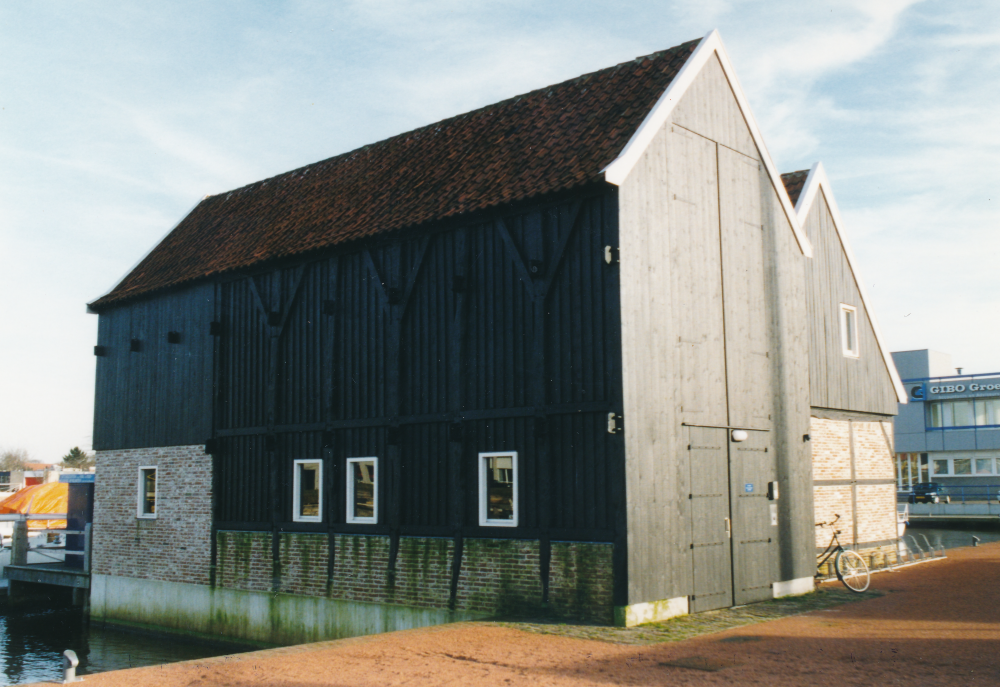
953	388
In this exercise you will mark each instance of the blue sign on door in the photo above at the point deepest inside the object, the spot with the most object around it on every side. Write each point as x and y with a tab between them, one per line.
748	488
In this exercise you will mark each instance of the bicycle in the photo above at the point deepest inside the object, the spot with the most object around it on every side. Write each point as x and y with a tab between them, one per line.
851	567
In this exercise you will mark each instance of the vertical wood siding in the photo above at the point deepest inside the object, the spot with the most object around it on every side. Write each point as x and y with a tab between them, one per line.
839	382
162	394
713	333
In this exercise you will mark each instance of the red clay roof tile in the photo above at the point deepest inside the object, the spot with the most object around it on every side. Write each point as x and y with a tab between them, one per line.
794	181
547	140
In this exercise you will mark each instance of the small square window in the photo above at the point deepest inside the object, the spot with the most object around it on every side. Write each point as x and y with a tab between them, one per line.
362	490
498	489
984	466
307	494
941	467
146	507
849	330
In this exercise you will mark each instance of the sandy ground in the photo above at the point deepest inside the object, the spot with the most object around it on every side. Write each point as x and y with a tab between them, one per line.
937	624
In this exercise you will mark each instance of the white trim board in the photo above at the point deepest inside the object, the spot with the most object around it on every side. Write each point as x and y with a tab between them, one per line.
616	172
816	181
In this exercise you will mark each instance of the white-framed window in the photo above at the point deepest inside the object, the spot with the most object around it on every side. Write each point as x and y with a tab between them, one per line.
498	489
307	490
849	330
146	503
362	490
961	465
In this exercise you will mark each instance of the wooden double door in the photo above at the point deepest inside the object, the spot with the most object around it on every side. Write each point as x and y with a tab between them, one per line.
733	517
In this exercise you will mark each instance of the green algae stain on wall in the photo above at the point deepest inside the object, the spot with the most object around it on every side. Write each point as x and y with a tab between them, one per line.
581	581
236	556
501	576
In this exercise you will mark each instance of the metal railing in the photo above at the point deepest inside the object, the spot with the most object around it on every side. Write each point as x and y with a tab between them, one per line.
980	493
20	545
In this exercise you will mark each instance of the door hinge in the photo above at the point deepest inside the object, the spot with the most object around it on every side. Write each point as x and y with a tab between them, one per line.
616	424
611	255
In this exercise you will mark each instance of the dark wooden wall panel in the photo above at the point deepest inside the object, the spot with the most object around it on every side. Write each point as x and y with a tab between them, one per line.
498	335
299	378
160	395
425	350
245	481
499	324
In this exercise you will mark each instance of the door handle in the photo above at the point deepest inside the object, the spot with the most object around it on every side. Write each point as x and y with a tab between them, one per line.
729	528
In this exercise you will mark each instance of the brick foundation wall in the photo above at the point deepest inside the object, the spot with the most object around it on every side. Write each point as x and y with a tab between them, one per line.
304	559
173	547
423	572
244	561
580	581
360	568
497	575
873	459
500	575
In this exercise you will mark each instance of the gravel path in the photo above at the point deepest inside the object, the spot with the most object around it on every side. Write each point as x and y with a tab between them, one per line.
932	624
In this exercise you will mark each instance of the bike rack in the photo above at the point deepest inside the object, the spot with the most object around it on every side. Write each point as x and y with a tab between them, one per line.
930	548
913	549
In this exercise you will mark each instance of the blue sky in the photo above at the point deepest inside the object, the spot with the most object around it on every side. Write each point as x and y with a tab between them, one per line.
116	118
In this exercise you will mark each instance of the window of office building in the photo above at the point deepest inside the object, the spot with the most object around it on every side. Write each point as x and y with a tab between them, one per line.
960	465
911	468
964	413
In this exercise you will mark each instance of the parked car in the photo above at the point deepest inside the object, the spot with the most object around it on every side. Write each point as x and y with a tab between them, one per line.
929	492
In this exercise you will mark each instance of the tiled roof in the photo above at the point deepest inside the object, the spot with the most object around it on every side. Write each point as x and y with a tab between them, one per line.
547	140
794	181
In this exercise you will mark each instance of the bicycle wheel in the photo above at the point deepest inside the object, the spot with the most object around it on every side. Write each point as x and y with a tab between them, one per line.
852	570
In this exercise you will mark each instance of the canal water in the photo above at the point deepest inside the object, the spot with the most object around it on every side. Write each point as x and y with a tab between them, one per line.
32	641
954	537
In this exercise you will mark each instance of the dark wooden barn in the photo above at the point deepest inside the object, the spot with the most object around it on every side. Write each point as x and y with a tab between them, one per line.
547	356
